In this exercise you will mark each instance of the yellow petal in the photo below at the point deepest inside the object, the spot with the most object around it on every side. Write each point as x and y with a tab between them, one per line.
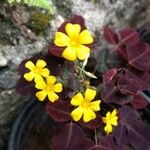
90	94
77	100
51	80
52	96
88	115
86	37
70	54
45	72
72	30
114	113
40	63
95	106
114	121
37	77
83	52
77	114
29	76
108	114
30	65
108	128
40	84
104	119
61	39
41	95
58	87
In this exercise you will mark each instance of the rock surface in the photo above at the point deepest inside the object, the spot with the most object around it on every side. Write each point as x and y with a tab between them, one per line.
14	47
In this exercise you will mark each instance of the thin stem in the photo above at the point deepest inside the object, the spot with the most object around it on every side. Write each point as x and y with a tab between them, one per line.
145	96
96	139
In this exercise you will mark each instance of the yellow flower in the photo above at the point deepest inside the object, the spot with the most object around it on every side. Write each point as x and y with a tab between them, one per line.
85	106
110	120
74	41
36	71
48	88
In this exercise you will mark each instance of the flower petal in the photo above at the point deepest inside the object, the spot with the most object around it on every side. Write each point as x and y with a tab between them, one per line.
95	106
40	63
72	30
77	113
114	113
86	37
45	72
90	94
77	100
29	76
40	84
108	128
58	87
30	65
41	95
52	96
114	121
83	52
61	39
88	115
37	77
70	54
51	80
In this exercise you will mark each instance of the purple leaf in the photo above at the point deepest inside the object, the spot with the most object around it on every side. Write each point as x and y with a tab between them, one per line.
128	86
59	111
120	133
129	35
139	135
139	56
66	135
110	36
109	75
138	102
93	124
82	144
142	77
111	94
24	87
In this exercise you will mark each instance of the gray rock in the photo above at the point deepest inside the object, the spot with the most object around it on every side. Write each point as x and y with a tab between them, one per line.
14	47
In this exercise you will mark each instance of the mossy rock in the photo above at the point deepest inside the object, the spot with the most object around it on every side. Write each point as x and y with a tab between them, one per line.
38	22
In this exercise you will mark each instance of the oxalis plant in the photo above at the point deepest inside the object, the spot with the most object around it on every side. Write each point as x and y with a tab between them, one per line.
93	95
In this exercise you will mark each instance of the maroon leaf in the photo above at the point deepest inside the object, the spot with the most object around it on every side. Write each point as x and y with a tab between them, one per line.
138	102
128	115
138	132
93	124
139	56
111	94
129	35
128	86
59	111
139	135
82	144
110	36
66	135
120	133
108	143
109	75
24	87
142	77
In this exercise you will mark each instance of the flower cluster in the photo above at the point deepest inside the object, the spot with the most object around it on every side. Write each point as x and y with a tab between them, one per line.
43	80
86	91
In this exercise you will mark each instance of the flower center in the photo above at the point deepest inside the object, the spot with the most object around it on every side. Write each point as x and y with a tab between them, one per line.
74	42
48	88
37	70
85	104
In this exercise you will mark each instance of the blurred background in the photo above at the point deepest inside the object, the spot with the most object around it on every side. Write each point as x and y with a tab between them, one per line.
25	31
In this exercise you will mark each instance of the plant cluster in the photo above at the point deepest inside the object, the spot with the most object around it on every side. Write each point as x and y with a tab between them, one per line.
94	95
38	3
